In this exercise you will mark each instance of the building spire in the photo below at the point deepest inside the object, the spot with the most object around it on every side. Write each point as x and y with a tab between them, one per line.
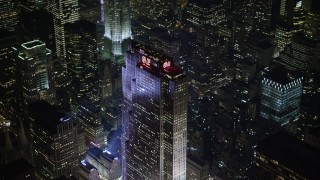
23	138
8	145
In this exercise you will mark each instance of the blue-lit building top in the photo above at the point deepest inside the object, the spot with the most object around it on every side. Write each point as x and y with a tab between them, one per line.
281	93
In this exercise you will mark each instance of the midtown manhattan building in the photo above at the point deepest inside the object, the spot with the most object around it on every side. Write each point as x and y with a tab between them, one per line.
154	116
55	141
117	24
281	93
64	11
36	72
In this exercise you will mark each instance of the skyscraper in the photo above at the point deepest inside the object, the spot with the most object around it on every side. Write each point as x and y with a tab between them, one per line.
203	12
117	24
281	156
81	59
281	95
55	141
154	117
291	13
36	72
89	118
301	53
64	11
8	82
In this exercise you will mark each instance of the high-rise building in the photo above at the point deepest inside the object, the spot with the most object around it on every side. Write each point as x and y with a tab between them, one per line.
8	82
36	73
312	25
162	41
281	93
81	59
117	24
286	11
90	119
262	21
37	24
197	169
306	4
154	116
204	12
300	54
64	11
283	36
8	14
54	138
291	13
281	156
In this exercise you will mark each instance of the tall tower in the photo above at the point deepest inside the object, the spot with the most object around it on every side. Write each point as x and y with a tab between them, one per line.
81	59
154	116
36	73
117	24
281	92
55	141
8	82
64	11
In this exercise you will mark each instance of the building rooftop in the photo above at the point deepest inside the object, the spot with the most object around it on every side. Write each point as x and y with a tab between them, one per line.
47	116
33	44
281	75
292	153
97	153
87	165
155	62
196	161
301	38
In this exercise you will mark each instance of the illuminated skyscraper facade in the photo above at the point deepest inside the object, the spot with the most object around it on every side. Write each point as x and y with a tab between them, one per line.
300	54
154	117
64	11
283	36
281	92
8	80
54	138
36	72
200	13
81	59
117	24
90	119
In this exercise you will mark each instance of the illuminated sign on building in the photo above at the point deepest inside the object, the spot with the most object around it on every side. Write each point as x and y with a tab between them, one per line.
145	60
166	64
